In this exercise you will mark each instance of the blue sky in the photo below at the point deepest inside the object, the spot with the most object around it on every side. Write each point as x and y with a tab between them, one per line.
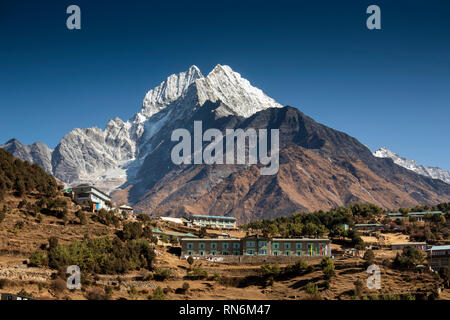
385	87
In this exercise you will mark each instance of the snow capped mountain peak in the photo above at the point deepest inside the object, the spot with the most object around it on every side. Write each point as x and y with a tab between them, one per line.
223	84
168	91
431	172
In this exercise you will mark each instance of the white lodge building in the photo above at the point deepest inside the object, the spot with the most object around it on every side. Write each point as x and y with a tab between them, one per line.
84	193
215	222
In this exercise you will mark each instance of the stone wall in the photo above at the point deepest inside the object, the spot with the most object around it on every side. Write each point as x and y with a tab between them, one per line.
255	260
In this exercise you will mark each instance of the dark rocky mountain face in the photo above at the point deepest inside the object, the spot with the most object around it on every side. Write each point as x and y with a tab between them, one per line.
319	168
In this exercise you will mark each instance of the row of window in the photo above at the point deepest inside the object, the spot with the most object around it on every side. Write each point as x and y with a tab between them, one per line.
213	245
276	245
214	252
261	252
252	244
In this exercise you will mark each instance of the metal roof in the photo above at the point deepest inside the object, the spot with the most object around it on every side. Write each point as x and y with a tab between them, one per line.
298	239
416	213
211	239
92	187
407	243
446	247
214	217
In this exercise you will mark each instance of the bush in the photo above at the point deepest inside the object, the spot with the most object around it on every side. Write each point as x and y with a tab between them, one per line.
132	230
270	270
358	288
81	216
97	294
107	218
59	285
162	274
158	294
52	243
3	214
369	256
327	265
38	258
296	269
197	273
311	289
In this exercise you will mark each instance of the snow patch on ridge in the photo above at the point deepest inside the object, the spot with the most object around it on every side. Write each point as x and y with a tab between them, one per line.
431	172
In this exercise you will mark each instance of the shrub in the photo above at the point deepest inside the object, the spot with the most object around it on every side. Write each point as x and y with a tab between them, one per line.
162	274
52	243
311	289
297	268
369	256
327	265
59	285
19	225
132	292
197	273
358	288
3	214
190	260
270	270
158	294
132	230
97	294
38	258
81	216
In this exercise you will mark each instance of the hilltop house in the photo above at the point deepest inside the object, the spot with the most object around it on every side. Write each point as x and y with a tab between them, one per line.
439	257
417	245
86	195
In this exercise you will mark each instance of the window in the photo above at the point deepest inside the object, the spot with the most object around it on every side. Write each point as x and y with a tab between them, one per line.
250	244
298	246
225	245
190	253
262	252
201	245
287	245
250	252
236	253
225	253
287	253
213	252
201	252
190	245
276	245
236	245
309	253
262	244
276	253
213	245
298	252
